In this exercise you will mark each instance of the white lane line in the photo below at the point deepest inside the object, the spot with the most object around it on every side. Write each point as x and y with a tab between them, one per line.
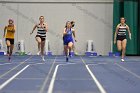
6	73
5	64
25	78
12	78
100	87
47	78
134	74
38	64
97	64
67	64
51	86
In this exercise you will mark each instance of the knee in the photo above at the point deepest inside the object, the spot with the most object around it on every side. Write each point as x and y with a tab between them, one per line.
69	46
8	44
65	48
119	49
123	48
39	42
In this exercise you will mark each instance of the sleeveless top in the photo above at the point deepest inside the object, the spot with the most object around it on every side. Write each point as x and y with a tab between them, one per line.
122	30
41	31
10	33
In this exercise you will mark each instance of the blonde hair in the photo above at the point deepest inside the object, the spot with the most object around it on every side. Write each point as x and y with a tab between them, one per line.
41	16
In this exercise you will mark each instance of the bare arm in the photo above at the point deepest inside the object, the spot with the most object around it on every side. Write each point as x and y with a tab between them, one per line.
46	27
64	32
33	29
115	35
129	32
4	31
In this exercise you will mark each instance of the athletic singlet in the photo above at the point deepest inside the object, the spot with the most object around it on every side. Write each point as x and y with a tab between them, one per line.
9	32
69	34
40	31
122	30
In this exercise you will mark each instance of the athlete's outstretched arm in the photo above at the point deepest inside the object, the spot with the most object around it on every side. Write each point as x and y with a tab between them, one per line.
115	35
4	31
129	32
64	32
33	29
46	27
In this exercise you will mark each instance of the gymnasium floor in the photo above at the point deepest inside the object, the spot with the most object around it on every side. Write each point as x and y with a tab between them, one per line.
82	74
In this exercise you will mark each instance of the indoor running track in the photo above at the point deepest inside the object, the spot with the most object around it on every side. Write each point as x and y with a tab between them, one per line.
28	74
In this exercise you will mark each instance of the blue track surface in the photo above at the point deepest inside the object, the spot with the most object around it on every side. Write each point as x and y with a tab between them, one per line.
82	74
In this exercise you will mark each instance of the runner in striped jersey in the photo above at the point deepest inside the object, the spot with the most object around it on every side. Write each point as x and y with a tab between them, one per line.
42	28
120	36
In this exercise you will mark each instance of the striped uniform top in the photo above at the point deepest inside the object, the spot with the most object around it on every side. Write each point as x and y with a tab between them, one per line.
122	30
41	31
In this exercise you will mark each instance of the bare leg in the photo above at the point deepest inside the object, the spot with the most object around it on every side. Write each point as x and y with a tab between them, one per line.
70	45
38	39
124	42
119	45
8	46
73	48
66	50
42	49
39	46
11	49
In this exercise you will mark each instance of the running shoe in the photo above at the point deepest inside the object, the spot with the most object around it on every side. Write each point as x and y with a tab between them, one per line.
38	53
9	59
67	59
70	54
122	60
43	58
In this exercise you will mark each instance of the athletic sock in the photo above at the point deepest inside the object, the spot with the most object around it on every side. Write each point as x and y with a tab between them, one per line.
43	58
